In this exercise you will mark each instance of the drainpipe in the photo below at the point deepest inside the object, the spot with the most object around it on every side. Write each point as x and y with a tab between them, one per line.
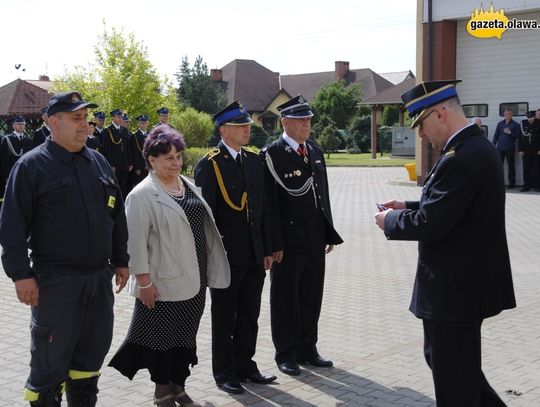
430	66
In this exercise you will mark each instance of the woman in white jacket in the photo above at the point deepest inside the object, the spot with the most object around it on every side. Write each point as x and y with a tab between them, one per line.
175	252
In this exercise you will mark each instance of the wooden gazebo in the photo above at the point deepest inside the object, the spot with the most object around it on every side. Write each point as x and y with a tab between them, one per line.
25	98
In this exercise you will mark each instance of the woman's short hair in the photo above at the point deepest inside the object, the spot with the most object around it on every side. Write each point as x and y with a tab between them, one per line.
160	141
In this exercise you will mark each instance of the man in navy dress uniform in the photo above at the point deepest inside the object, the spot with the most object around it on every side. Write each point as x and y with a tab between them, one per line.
12	147
99	118
136	143
163	117
302	235
115	148
232	182
44	131
463	274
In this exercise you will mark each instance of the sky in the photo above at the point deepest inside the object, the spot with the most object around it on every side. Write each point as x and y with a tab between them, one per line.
285	36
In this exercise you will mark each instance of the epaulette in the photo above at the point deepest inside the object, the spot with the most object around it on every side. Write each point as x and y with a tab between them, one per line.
211	154
451	152
249	150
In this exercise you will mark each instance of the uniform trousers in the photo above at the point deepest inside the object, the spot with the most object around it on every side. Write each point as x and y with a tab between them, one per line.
296	296
510	156
71	327
453	352
235	312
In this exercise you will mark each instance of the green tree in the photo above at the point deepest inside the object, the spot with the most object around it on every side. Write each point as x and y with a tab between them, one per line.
390	116
196	126
338	101
360	130
121	77
329	140
258	137
197	89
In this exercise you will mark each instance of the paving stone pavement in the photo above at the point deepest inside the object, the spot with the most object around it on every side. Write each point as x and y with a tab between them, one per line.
365	327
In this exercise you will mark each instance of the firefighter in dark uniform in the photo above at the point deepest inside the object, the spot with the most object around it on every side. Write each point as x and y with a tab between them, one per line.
99	118
302	234
463	274
93	141
44	131
136	143
527	151
163	117
115	148
63	203
232	182
12	147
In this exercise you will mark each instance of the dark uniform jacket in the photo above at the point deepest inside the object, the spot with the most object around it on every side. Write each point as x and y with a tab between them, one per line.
93	142
246	233
67	209
115	147
299	223
40	135
463	271
136	143
11	149
528	140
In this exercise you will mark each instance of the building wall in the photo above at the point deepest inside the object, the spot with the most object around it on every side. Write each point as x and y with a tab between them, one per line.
458	9
495	72
278	100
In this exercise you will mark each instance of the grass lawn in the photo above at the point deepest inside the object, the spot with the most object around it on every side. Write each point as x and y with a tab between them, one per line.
364	160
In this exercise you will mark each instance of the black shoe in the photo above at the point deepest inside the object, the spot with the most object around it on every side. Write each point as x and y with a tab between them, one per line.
525	189
259	378
318	361
231	387
290	368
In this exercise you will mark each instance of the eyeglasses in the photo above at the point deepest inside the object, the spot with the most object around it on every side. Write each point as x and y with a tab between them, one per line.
420	125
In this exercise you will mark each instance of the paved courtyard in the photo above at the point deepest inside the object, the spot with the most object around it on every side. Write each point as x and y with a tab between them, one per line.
365	328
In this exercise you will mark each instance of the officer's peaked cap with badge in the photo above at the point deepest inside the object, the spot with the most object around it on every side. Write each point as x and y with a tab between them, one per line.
142	118
18	120
163	110
67	102
426	94
295	108
99	115
43	110
234	114
126	118
117	112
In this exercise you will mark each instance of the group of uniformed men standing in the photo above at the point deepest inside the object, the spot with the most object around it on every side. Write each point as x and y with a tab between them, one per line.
116	143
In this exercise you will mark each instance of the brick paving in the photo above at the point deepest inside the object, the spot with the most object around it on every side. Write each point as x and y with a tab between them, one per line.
365	327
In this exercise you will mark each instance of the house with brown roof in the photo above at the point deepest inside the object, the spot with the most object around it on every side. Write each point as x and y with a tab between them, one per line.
261	90
25	98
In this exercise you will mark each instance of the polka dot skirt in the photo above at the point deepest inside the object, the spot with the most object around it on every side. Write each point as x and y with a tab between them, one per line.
173	324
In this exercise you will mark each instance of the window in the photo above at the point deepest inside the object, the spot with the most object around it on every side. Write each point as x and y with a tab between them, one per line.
478	110
518	108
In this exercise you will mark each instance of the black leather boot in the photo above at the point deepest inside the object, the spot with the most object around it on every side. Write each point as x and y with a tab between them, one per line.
82	392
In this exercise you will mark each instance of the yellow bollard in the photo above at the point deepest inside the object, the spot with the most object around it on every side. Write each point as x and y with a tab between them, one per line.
411	169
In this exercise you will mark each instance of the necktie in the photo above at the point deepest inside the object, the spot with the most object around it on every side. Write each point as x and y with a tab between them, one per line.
238	160
301	150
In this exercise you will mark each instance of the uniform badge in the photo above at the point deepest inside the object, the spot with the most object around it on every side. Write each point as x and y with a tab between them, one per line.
286	175
288	148
305	159
111	201
297	173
